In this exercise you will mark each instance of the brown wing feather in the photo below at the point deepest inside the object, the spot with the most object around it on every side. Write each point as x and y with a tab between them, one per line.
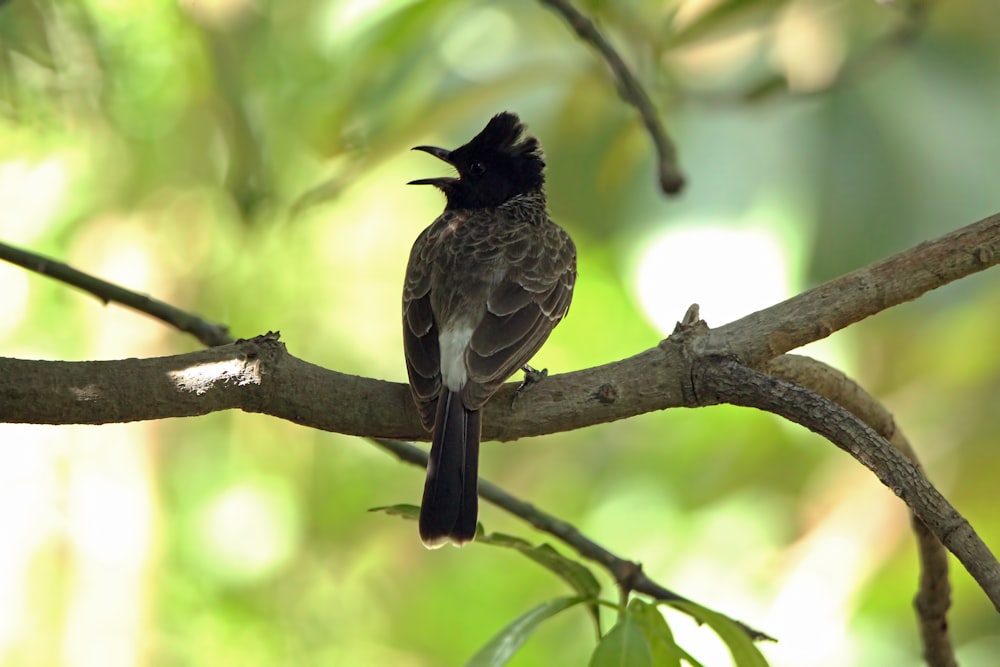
420	334
521	312
521	308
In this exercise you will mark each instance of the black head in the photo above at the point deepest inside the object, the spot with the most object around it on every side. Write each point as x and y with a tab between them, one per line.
498	164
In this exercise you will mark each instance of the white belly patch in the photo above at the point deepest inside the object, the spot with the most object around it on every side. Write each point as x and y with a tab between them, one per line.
452	343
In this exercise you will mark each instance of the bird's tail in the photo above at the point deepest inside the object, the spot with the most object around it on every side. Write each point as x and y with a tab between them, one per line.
450	507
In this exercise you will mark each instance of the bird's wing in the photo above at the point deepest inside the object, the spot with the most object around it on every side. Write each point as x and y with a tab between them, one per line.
521	310
420	332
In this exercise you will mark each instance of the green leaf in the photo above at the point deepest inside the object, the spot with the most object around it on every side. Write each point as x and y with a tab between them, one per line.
504	644
740	645
665	651
624	646
404	510
579	577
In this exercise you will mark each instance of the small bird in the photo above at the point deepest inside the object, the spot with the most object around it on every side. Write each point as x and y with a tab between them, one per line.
485	285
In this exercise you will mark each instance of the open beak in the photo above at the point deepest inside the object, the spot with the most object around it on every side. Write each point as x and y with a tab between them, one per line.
441	154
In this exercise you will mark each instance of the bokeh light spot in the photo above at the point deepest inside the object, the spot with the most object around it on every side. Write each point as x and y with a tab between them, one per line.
248	530
730	272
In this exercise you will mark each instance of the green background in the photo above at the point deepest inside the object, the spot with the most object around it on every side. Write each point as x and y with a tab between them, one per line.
247	161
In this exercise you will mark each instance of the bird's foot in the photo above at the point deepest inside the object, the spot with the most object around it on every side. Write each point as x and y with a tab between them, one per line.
532	376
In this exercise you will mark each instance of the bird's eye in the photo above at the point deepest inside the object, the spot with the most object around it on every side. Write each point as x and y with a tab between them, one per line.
477	168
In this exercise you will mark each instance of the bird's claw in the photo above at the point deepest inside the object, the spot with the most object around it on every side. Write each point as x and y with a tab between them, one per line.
532	376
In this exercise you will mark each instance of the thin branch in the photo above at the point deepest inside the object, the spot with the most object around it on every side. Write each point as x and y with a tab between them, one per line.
883	48
208	333
627	574
631	90
725	380
863	63
934	592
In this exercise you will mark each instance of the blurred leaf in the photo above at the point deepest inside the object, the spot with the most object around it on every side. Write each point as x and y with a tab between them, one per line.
665	651
725	18
23	29
765	88
321	193
579	577
412	512
404	510
740	645
624	646
505	644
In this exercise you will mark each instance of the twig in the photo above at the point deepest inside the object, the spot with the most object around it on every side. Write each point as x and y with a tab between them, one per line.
628	574
879	51
631	90
725	380
934	592
206	332
863	63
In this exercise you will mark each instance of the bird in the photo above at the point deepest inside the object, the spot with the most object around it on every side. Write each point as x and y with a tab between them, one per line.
485	285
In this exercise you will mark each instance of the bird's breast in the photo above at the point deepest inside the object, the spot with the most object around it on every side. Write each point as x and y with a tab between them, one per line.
449	226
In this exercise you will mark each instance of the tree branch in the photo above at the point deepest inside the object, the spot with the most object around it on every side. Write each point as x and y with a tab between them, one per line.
840	302
626	573
655	379
725	380
934	592
631	90
259	376
208	333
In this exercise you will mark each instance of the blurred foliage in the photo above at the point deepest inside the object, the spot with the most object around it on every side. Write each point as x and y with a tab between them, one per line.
247	160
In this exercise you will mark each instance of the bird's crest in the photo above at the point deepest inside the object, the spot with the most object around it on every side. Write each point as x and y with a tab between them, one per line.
505	132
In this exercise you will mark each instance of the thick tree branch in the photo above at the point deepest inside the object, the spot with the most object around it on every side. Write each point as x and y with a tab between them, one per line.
255	375
725	380
854	296
259	376
651	380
